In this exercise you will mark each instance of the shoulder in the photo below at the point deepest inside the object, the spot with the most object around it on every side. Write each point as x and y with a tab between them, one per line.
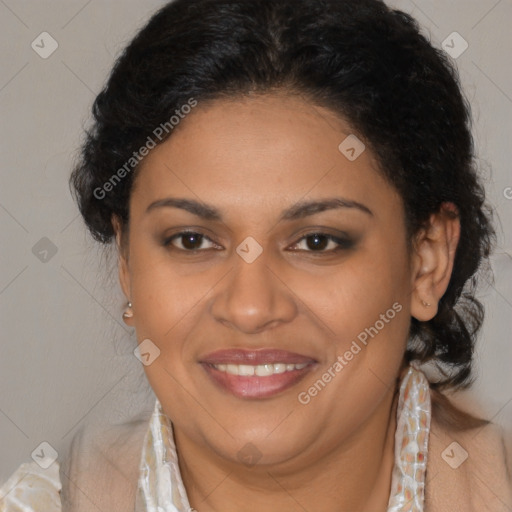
467	468
102	468
33	488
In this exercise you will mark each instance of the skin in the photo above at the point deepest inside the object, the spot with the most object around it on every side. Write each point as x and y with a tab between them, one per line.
252	158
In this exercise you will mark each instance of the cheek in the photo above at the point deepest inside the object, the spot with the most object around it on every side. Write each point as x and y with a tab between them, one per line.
366	305
161	296
163	312
166	307
354	295
379	306
371	322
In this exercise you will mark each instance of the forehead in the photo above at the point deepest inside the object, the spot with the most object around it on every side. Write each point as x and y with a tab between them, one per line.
264	151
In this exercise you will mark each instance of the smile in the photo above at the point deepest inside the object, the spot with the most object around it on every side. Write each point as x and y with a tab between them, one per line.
256	374
260	370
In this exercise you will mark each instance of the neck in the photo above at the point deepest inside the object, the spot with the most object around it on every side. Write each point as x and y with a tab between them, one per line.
355	476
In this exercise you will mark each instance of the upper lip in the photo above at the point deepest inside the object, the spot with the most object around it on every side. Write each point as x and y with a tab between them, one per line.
255	357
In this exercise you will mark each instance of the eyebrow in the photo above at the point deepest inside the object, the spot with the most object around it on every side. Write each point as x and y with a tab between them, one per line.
297	211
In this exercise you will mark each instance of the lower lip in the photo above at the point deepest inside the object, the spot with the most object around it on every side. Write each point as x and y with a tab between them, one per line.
254	386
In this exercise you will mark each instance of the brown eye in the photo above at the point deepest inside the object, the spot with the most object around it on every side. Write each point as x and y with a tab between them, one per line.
189	241
319	242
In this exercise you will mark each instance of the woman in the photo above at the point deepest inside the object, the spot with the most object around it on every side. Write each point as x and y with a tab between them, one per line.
291	189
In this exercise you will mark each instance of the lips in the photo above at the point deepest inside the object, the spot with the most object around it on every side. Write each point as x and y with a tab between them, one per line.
256	373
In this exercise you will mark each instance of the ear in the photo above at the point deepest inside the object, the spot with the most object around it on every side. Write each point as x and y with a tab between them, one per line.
123	268
433	257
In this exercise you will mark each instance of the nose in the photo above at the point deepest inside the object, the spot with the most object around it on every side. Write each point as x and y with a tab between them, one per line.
254	297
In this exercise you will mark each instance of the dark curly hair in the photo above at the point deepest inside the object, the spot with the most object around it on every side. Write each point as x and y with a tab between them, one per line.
367	63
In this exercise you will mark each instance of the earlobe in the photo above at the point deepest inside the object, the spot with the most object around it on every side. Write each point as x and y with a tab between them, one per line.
128	313
435	250
123	269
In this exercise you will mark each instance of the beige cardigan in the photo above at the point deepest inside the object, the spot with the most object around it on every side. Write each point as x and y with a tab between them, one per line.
481	483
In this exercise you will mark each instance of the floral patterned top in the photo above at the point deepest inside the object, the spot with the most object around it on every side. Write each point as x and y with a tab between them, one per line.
161	489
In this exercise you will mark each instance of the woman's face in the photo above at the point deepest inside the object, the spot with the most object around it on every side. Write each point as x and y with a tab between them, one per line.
315	327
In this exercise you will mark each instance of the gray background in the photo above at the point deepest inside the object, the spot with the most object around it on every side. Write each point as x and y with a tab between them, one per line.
66	357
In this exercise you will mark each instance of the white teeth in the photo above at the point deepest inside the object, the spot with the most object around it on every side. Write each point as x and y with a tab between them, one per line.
245	369
261	370
232	368
279	368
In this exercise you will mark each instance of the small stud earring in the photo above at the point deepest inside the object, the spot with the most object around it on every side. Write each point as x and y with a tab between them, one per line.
426	304
128	313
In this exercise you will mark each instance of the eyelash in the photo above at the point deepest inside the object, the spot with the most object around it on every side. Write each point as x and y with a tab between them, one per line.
343	243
